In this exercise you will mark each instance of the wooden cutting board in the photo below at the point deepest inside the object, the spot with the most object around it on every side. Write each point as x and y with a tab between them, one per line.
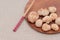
43	4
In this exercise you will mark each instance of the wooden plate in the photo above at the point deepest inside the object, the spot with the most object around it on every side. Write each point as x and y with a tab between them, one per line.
43	4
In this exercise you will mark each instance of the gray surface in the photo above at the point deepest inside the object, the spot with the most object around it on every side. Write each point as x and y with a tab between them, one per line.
10	13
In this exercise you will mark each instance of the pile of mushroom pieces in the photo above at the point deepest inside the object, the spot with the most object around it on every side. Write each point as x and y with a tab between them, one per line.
43	17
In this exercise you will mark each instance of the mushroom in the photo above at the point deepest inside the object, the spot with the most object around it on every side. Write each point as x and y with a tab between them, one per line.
38	23
33	16
52	9
43	12
47	19
55	27
46	27
53	16
57	21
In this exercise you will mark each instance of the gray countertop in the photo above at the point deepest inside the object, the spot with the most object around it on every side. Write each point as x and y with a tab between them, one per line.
10	13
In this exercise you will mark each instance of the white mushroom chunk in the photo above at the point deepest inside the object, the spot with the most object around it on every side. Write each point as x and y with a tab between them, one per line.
52	9
33	16
43	12
53	16
38	23
47	19
57	21
46	27
55	27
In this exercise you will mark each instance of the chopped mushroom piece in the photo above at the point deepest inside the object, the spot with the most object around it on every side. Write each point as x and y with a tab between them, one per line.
57	21
43	12
52	9
53	16
55	27
47	19
33	16
38	23
46	27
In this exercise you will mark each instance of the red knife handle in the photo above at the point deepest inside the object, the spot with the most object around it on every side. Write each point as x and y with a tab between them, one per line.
18	24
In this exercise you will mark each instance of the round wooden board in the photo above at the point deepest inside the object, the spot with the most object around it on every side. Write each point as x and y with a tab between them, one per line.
43	4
